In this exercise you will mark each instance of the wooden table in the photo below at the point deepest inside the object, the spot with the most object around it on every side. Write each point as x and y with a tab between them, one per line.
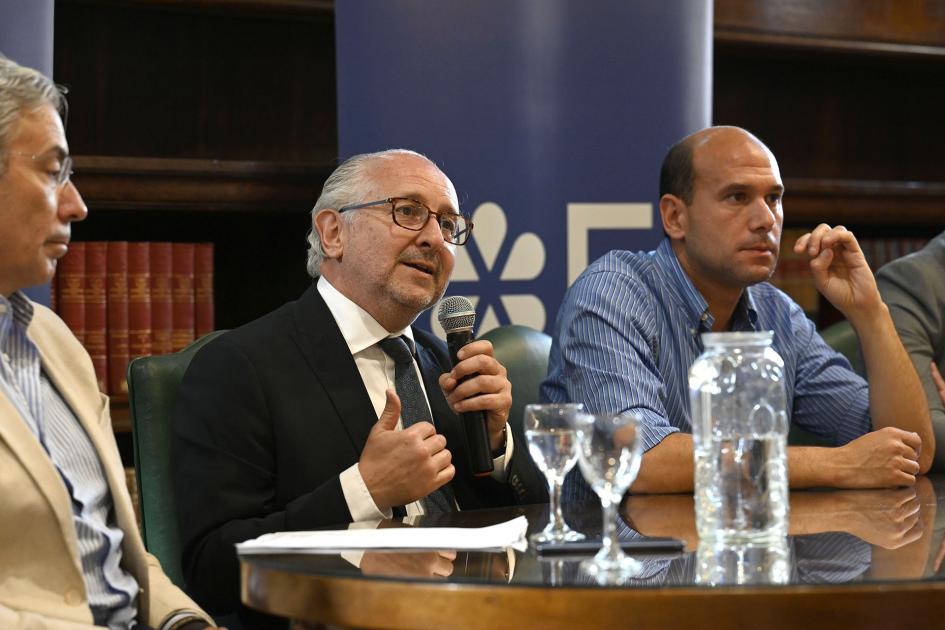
858	559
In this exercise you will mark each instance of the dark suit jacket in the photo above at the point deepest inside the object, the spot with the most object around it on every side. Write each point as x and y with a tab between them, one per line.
268	416
914	289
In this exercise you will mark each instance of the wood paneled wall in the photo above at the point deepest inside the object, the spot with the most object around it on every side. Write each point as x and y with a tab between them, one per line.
848	94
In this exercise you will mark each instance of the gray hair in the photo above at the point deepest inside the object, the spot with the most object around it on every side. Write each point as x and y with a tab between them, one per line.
23	89
349	183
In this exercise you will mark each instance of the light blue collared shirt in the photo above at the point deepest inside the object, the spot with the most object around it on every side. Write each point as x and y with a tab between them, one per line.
630	326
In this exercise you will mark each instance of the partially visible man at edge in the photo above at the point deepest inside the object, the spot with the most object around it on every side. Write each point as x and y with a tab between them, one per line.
71	555
292	421
914	288
630	326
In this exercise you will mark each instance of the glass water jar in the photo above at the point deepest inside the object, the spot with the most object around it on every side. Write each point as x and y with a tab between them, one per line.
739	432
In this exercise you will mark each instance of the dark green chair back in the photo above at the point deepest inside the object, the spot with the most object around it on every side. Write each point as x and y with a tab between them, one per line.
524	353
152	390
842	338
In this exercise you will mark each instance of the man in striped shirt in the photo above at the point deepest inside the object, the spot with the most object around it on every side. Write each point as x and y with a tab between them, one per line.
630	326
70	553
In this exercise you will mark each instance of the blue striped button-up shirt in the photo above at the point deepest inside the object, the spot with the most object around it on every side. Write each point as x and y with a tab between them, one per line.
112	592
630	326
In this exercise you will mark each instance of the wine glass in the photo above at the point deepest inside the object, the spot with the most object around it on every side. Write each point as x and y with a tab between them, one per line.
610	450
552	443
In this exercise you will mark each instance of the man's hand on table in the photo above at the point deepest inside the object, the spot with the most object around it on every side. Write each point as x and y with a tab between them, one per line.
880	459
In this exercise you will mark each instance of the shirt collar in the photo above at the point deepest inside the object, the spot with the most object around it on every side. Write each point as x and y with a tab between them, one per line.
18	307
695	306
358	328
746	311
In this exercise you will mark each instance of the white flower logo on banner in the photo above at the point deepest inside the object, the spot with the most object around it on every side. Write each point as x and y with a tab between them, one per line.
525	261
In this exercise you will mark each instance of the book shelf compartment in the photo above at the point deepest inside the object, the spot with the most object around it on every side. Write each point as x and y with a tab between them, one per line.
120	413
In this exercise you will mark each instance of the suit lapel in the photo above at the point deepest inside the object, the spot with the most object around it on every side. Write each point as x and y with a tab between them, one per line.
328	356
34	459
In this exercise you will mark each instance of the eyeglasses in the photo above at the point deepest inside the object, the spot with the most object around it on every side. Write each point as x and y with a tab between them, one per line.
413	215
62	175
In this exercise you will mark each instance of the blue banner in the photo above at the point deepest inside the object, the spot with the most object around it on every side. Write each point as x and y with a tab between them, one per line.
550	116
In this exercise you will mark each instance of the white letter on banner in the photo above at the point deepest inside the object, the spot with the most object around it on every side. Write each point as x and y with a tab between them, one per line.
584	217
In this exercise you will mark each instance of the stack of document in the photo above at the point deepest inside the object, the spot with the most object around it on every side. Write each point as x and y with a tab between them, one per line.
501	536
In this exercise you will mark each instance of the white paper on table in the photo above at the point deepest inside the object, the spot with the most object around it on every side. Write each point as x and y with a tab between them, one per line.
508	534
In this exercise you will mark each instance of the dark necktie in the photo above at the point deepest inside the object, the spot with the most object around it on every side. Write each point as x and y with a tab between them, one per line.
413	409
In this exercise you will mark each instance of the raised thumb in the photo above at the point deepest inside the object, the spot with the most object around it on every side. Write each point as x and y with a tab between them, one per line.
391	413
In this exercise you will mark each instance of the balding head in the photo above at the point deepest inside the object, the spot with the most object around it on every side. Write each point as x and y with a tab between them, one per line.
724	218
679	170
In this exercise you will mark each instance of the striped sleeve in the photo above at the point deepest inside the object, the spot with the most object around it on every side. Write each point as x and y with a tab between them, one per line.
607	348
830	399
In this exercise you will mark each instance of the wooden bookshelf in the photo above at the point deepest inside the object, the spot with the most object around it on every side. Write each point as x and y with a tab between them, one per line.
214	123
867	203
194	185
901	28
848	96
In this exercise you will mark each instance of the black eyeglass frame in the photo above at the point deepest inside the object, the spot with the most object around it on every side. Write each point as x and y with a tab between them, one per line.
461	239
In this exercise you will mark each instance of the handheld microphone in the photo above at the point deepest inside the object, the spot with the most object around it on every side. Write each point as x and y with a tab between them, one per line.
457	317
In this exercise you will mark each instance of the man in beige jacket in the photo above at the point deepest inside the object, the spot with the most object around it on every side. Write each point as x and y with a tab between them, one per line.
70	552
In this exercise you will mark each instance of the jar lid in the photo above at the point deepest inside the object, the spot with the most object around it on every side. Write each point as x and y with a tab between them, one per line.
759	338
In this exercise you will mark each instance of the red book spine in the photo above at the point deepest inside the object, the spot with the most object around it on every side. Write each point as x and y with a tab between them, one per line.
161	305
54	293
96	265
139	300
71	269
203	289
117	299
182	295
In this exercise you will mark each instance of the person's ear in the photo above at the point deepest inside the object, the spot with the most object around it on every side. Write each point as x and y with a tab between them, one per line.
329	225
675	216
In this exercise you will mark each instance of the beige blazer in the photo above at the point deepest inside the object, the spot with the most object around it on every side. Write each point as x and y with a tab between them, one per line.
41	584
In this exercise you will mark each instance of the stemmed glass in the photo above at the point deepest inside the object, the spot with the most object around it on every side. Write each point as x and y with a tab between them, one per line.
553	445
610	451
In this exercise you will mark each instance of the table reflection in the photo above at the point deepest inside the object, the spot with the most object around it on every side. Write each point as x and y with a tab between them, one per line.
835	537
723	564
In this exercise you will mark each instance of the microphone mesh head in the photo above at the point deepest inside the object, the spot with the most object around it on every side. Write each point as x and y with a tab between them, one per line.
456	313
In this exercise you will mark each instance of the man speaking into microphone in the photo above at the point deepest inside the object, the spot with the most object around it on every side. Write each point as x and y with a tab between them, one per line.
333	408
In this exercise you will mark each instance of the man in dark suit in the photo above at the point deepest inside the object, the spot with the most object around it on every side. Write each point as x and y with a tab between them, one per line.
914	288
292	421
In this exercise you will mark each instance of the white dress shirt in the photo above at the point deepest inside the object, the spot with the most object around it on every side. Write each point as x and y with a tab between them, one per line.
362	332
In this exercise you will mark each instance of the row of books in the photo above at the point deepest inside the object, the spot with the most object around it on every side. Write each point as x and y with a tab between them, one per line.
793	274
129	299
879	251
